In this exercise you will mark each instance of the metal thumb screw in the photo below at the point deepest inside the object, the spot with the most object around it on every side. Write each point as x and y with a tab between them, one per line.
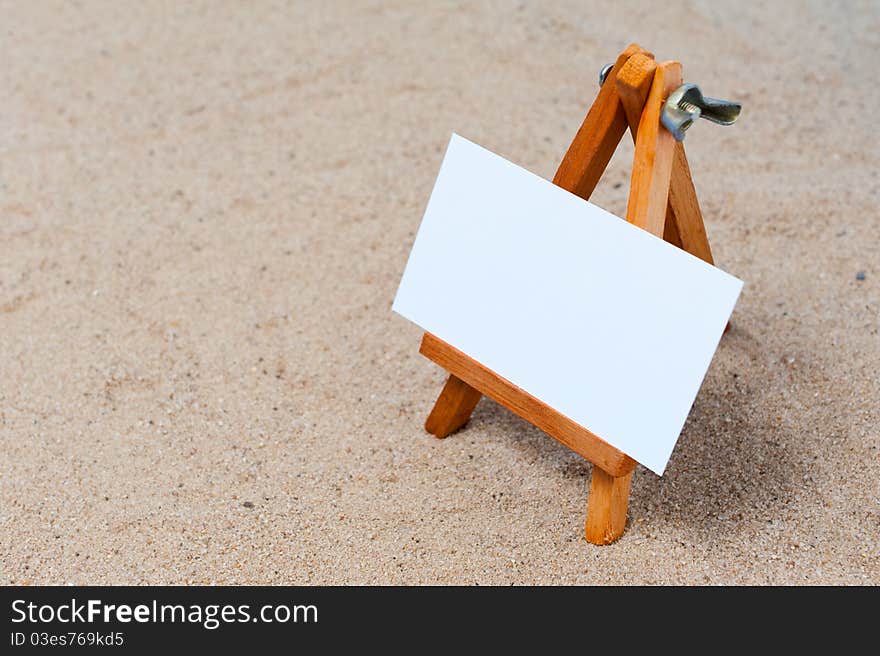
687	103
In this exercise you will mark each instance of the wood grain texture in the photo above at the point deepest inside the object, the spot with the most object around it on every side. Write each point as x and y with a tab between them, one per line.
686	208
595	141
654	154
607	506
571	434
453	407
633	85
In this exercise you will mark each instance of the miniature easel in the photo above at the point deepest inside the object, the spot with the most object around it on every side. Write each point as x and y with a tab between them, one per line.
662	200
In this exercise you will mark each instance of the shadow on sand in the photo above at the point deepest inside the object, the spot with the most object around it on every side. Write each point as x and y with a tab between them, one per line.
734	463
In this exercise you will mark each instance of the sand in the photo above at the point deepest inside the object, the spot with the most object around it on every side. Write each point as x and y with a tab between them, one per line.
206	209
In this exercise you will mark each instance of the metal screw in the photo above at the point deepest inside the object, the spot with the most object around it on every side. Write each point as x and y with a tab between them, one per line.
687	103
606	69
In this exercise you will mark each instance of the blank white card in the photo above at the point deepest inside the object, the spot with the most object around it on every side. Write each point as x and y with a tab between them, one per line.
607	324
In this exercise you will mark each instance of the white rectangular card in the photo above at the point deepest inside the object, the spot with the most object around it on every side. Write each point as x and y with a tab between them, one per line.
607	324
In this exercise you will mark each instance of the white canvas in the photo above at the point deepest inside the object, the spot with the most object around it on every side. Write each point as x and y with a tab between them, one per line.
602	321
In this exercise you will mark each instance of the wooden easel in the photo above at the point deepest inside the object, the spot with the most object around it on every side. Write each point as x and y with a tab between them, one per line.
662	200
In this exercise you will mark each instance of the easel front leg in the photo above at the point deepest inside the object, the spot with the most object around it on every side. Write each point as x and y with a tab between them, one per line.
606	506
655	152
453	408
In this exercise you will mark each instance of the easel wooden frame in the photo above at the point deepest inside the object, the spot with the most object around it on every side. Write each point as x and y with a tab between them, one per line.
662	200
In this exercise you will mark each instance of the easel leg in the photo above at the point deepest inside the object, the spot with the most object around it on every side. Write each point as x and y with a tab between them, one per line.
453	408
670	230
686	208
596	140
606	507
655	152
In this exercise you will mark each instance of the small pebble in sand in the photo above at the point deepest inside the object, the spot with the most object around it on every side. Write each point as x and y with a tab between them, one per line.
248	504
860	275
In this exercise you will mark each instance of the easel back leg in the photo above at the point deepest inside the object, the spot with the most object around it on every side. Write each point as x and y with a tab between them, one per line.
686	208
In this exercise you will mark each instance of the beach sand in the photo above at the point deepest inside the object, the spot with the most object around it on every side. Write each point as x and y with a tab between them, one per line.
206	208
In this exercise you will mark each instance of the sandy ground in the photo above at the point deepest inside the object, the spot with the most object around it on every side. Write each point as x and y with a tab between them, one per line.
206	209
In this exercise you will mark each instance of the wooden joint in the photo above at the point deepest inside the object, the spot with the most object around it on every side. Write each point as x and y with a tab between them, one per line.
633	85
595	141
